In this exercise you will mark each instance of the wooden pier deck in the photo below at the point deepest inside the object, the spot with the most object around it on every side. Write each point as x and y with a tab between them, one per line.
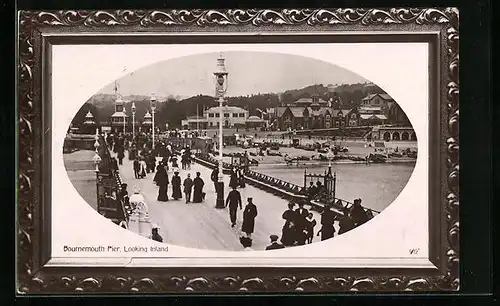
200	225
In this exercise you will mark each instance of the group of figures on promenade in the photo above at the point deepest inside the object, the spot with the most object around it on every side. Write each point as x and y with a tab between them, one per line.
299	223
233	202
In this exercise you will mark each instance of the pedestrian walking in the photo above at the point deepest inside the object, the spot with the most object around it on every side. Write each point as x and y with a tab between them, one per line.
327	224
310	224
152	162
249	215
120	154
198	194
176	186
241	178
214	177
161	179
188	186
142	172
137	168
300	223
233	181
233	201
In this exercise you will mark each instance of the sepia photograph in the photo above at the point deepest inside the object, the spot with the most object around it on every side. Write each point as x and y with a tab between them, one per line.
240	151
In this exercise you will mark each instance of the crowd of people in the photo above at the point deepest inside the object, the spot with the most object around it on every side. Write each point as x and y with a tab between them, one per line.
300	226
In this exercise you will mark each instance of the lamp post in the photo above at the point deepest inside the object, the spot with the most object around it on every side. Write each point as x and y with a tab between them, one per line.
221	77
153	108
330	179
133	120
97	160
124	120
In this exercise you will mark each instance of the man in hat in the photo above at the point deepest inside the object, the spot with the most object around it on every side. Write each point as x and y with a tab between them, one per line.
300	223
274	243
137	167
214	176
233	201
188	187
358	213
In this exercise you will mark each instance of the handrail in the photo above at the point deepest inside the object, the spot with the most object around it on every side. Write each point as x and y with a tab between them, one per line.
284	186
105	167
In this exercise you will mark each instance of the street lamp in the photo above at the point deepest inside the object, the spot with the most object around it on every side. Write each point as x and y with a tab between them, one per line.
133	120
124	120
221	77
97	160
153	108
330	156
330	180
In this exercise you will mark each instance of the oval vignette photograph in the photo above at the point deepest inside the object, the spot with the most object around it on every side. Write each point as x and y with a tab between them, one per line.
240	151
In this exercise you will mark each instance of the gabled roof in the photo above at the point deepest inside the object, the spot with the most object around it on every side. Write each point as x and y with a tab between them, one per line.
383	96
297	112
373	117
344	112
386	97
320	112
280	111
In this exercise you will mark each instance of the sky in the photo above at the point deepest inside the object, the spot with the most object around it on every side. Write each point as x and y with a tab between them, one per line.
249	73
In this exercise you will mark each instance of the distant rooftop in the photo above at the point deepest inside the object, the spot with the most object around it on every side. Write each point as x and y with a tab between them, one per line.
216	109
383	96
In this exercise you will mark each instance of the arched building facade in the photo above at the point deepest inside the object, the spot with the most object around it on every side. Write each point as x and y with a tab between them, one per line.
393	133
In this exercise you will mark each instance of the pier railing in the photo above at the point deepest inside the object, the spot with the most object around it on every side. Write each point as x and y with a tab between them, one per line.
210	162
109	181
284	189
275	186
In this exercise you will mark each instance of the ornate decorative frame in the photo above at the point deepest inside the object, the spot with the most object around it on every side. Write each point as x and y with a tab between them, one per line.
36	32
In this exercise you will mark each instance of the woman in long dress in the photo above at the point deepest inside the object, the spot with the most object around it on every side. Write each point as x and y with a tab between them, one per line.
233	181
241	178
198	188
249	215
289	235
327	224
176	186
161	179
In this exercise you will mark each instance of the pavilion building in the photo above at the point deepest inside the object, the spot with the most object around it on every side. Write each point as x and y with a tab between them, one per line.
147	123
119	118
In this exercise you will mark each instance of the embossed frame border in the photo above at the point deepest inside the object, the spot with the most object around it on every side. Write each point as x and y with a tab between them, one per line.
37	31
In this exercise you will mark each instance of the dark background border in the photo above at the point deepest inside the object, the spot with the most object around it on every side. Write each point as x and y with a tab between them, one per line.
476	117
